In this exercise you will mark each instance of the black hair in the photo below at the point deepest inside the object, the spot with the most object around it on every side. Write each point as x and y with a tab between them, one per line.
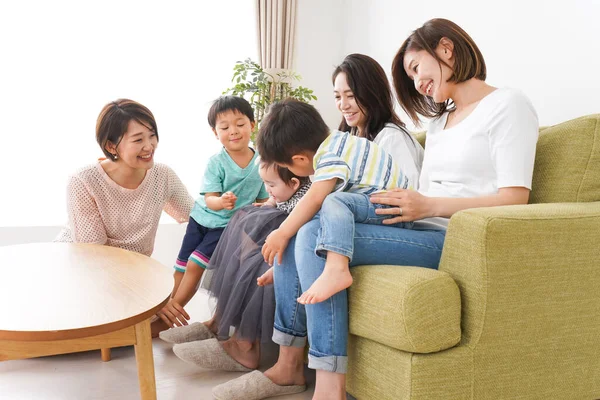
284	174
229	103
291	127
371	89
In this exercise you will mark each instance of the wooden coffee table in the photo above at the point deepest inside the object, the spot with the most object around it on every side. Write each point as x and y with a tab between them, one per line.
63	298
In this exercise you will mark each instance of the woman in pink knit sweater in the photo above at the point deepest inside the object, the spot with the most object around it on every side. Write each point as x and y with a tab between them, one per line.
118	200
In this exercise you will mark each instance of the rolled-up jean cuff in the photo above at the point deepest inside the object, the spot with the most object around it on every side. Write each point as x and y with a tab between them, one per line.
337	364
321	250
285	339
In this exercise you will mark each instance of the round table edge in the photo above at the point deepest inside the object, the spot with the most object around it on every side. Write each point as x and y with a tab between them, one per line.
78	333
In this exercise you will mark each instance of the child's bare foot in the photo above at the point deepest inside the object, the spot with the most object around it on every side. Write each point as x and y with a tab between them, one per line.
158	326
266	278
335	278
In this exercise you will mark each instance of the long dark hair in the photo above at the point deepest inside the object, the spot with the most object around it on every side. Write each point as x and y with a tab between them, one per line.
468	63
371	89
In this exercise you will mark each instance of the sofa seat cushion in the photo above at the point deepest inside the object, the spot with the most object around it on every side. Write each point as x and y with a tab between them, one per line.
411	309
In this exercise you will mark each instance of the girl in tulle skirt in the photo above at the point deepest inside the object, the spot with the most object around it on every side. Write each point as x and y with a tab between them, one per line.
244	303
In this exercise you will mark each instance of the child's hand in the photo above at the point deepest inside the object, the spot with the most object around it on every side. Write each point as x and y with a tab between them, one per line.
173	314
266	278
269	203
275	245
228	200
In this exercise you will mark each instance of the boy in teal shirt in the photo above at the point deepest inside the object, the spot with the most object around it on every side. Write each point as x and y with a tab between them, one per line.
231	181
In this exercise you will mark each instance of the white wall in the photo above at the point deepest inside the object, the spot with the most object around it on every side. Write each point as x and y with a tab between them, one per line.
61	61
549	50
319	51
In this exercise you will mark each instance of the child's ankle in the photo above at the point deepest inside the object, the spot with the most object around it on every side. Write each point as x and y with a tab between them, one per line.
337	261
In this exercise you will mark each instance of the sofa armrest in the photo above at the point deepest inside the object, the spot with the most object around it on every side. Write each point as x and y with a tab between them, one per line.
411	309
526	274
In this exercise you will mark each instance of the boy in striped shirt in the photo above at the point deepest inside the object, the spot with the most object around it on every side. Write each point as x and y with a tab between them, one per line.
344	169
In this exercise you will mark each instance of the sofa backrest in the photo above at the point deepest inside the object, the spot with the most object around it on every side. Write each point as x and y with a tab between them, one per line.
567	162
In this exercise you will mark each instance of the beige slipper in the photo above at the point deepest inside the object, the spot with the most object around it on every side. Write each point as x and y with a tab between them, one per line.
208	354
189	333
253	386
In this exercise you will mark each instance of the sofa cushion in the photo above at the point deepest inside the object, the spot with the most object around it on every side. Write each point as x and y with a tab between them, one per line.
408	308
567	162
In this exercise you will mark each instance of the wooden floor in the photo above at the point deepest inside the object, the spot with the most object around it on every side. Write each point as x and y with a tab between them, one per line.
84	376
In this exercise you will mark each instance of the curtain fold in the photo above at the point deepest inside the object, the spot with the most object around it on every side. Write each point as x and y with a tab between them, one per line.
276	30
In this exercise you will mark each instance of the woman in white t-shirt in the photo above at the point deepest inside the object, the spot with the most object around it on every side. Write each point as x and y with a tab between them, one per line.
479	153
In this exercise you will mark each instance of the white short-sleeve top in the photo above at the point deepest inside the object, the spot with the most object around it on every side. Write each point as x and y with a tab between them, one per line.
492	148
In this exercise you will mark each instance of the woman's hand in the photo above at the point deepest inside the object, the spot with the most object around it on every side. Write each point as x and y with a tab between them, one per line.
405	205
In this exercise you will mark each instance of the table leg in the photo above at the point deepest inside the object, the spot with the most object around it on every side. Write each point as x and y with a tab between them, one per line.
105	353
145	360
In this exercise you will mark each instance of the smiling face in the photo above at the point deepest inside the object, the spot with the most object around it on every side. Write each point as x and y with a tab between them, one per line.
233	130
345	102
276	187
428	74
136	148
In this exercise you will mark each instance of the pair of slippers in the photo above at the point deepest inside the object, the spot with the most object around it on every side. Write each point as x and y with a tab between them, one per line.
196	344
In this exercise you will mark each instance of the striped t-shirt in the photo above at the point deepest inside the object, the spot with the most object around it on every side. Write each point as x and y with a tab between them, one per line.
359	165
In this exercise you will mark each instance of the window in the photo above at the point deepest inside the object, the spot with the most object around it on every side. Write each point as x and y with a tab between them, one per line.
62	61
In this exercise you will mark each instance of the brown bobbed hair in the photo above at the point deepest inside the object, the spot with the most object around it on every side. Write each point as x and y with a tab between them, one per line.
114	119
369	84
468	63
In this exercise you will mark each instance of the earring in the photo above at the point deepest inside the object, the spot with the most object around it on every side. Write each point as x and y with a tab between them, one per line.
115	156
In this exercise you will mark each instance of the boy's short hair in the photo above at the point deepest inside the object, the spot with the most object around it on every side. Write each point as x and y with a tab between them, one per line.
229	103
291	127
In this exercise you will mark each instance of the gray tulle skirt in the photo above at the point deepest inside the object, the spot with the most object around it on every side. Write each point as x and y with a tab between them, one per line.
232	272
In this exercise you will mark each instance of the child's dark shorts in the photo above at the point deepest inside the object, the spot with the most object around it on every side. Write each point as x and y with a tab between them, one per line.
198	245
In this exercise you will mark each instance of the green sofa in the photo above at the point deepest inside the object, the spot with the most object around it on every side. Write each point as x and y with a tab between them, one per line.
513	311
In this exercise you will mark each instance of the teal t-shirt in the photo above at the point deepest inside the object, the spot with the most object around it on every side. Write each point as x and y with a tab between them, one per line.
224	175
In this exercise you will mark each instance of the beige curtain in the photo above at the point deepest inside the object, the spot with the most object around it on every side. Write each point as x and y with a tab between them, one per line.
276	27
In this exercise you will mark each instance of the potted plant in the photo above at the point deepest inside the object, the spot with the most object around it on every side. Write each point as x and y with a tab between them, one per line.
262	88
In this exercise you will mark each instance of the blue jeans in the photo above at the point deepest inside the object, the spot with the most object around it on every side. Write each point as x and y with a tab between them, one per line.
326	323
338	215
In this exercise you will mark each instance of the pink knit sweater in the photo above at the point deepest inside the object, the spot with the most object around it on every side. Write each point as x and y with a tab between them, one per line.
101	211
